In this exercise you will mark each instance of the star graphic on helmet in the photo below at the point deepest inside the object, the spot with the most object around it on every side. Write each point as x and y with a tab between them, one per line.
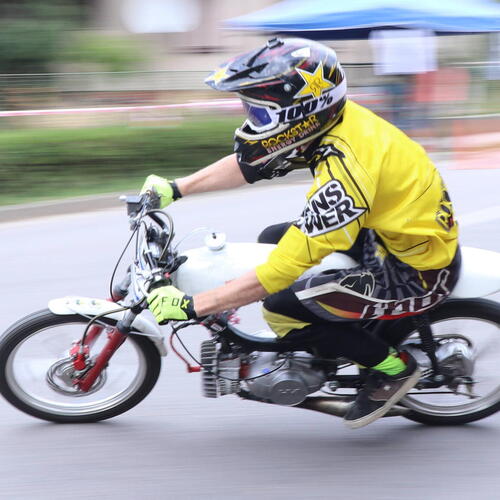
217	75
315	82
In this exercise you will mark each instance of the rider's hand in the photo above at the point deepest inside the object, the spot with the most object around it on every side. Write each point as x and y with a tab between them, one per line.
168	302
167	190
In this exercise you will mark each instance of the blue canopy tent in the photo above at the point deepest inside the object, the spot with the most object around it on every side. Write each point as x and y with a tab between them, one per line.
336	19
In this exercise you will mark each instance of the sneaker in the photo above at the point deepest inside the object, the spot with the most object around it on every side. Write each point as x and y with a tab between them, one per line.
380	393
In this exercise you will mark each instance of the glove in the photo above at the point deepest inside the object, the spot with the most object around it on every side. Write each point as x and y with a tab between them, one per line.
167	190
168	302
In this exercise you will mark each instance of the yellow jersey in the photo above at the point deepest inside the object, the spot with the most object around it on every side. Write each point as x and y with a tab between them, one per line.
367	174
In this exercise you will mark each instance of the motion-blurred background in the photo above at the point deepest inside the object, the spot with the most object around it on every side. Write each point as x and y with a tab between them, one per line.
95	94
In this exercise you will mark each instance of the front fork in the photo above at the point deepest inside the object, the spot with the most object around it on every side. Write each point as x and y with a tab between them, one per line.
116	337
80	352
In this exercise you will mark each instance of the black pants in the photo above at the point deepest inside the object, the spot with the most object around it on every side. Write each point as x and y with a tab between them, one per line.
382	289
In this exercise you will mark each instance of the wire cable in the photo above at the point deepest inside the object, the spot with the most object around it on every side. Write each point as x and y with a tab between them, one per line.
94	320
119	260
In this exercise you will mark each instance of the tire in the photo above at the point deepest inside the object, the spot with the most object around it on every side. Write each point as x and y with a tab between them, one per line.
30	349
477	317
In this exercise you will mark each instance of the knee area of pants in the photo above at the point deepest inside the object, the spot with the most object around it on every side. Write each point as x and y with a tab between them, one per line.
272	234
267	304
267	236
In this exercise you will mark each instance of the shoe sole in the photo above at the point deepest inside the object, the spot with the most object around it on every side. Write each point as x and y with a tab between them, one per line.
368	419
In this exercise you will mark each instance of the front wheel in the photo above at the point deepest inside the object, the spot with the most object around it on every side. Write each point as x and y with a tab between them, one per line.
468	331
37	373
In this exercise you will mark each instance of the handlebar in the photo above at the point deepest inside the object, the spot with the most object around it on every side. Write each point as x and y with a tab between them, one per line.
137	203
154	259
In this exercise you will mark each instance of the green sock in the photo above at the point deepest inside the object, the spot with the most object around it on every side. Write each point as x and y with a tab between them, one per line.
392	365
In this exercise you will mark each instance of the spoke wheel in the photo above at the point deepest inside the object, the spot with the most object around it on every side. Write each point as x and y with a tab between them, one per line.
476	395
36	372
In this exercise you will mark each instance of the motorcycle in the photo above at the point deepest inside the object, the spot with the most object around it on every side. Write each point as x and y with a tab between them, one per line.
87	359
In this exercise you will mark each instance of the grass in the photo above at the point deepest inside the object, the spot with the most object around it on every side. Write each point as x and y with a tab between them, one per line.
47	164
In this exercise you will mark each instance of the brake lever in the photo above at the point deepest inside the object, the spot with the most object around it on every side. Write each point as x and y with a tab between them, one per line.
153	200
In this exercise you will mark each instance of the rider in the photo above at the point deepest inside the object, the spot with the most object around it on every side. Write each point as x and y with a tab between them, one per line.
375	193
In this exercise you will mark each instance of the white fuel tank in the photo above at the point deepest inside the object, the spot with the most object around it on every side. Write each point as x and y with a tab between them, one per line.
218	262
211	266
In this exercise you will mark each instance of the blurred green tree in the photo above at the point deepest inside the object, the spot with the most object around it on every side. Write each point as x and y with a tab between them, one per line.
30	32
108	52
36	34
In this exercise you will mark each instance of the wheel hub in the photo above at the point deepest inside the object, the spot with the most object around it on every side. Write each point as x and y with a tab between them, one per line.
61	377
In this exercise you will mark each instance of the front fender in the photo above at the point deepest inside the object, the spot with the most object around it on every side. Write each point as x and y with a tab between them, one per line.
89	307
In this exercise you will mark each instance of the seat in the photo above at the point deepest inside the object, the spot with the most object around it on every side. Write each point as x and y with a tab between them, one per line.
479	275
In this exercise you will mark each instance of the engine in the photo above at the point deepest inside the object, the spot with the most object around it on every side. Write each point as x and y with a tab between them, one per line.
276	378
288	380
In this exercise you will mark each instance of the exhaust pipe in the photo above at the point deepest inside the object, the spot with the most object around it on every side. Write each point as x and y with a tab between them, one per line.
338	407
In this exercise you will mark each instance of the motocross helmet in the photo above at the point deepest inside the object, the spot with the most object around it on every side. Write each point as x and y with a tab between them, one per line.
292	90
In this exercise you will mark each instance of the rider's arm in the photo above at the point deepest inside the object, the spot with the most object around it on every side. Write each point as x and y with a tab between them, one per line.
239	292
223	174
296	252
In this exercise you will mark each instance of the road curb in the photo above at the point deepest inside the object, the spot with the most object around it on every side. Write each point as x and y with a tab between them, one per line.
90	203
14	213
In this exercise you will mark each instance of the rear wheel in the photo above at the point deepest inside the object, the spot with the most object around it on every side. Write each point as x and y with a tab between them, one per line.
36	371
470	331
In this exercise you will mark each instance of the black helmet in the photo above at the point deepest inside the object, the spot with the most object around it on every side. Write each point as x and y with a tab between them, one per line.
292	90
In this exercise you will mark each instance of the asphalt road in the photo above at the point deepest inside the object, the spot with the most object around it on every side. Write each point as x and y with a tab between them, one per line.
177	444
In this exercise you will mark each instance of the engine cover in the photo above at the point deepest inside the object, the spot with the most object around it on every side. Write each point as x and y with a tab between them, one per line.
286	385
